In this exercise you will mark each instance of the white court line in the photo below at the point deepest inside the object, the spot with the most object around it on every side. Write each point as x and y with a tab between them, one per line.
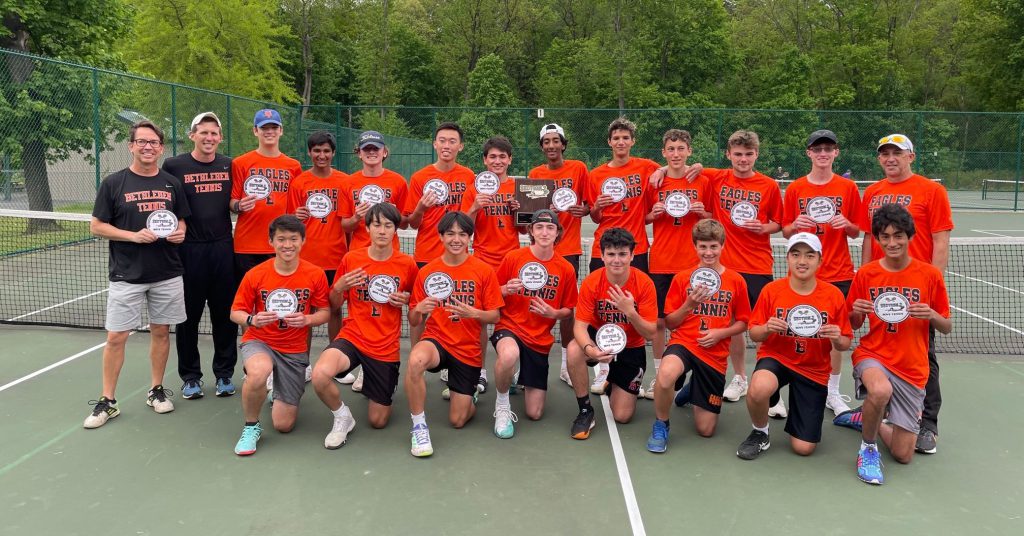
990	233
620	463
61	304
51	367
997	285
989	320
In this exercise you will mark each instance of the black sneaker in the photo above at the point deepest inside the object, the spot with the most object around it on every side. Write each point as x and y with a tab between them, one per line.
583	424
752	447
926	442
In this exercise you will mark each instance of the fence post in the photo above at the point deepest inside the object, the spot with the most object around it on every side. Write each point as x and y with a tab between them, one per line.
174	120
433	115
337	134
718	140
96	140
526	140
1020	147
227	129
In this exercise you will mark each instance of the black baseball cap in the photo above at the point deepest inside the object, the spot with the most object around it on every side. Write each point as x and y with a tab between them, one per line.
819	135
545	215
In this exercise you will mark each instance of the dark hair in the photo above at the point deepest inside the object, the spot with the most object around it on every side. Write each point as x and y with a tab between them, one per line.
558	236
565	141
381	212
145	123
892	215
452	219
500	143
674	134
321	137
448	125
708	230
617	237
289	223
621	123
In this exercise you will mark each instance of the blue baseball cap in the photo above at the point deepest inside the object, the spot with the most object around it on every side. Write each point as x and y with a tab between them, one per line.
266	116
371	137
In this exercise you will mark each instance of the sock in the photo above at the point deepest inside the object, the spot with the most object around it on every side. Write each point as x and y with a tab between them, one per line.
251	423
764	430
584	403
657	365
337	412
666	423
419	419
501	400
483	374
864	443
112	401
563	358
833	382
602	369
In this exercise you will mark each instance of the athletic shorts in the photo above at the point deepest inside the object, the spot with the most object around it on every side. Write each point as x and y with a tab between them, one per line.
380	378
420	264
462	378
843	286
806	400
627	369
907	401
662	282
755	283
164	302
707	384
247	261
533	365
330	277
289	370
639	262
573	260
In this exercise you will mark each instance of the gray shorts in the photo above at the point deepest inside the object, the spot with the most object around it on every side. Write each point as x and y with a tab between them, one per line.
163	300
906	403
289	370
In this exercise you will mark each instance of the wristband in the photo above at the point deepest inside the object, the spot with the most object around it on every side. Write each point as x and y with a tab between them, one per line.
248	320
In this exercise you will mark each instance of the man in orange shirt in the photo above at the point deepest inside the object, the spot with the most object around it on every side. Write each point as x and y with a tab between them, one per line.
371	185
618	310
827	205
928	203
903	299
799	321
539	288
570	178
706	305
278	301
455	295
376	282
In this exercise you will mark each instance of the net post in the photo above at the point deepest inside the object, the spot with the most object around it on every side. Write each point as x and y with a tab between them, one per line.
96	124
1020	147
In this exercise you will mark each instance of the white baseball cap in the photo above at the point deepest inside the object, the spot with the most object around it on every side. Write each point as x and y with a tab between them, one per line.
552	127
200	117
804	238
898	140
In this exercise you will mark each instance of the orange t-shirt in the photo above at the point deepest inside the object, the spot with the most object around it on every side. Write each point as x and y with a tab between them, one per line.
807	356
372	324
745	251
253	225
428	241
309	285
927	202
325	239
631	211
572	175
902	347
496	232
559	292
672	249
394	189
475	284
836	264
593	308
727	306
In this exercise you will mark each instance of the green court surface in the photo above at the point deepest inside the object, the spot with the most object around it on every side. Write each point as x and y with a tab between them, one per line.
152	474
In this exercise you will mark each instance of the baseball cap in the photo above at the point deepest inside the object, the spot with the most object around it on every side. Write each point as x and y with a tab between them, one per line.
197	119
819	135
371	137
552	127
804	238
266	117
545	215
899	140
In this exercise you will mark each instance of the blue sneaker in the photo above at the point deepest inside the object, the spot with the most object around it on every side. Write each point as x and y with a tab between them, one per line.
247	443
869	465
683	396
658	442
850	419
192	389
225	387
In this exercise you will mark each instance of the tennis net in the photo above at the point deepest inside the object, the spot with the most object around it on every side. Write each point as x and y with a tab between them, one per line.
53	272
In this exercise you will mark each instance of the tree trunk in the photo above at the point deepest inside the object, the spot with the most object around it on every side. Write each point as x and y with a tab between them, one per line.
37	185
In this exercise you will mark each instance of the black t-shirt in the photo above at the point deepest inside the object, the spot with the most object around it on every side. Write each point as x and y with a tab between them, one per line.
208	189
125	200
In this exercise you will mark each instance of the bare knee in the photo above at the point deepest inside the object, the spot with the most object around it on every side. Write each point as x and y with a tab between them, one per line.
117	339
803	449
534	414
284	425
903	457
705	430
378	421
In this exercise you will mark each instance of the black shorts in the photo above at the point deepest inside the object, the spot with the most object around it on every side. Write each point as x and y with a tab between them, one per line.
639	262
330	277
462	378
662	282
707	384
533	365
755	283
574	260
380	378
420	264
247	261
806	400
843	286
627	369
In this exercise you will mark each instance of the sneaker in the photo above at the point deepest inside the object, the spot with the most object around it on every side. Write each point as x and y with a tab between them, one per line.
683	396
926	442
850	419
103	410
564	376
192	389
357	385
503	419
649	392
600	383
247	443
347	379
752	447
446	394
309	373
583	424
421	446
481	383
444	375
837	402
658	442
225	387
778	411
736	389
339	431
157	399
869	465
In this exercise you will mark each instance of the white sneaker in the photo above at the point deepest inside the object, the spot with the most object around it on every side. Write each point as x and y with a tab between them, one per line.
600	383
444	375
343	424
309	373
837	402
157	399
564	376
649	392
347	379
736	389
357	385
446	394
421	446
778	411
503	419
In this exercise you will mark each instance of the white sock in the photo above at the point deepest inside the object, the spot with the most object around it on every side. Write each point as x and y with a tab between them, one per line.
501	400
657	365
602	369
563	358
765	429
337	412
419	419
483	373
833	382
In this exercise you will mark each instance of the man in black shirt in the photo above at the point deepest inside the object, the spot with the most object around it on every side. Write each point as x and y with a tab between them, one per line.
208	258
141	210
